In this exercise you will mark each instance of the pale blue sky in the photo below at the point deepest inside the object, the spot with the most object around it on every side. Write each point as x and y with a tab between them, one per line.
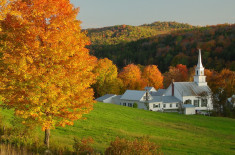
101	13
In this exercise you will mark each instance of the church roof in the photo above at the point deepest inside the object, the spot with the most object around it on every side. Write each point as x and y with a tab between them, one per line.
191	88
135	95
164	99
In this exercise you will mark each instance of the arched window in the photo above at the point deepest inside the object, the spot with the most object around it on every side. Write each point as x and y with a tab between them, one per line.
188	101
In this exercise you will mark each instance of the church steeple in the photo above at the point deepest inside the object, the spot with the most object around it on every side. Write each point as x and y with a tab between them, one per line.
199	63
199	77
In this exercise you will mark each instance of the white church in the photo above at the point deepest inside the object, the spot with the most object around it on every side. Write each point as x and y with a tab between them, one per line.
186	97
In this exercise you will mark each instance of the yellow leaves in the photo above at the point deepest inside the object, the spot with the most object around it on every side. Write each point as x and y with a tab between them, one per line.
153	76
131	76
47	67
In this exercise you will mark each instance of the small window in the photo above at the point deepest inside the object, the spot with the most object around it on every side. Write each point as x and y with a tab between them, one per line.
196	103
204	103
170	105
124	104
155	105
176	105
164	105
197	72
188	101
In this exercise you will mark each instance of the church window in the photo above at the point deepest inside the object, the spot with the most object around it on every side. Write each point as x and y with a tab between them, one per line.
170	105
204	102
188	101
176	105
164	105
196	103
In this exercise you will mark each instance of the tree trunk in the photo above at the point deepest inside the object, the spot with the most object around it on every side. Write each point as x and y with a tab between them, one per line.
47	136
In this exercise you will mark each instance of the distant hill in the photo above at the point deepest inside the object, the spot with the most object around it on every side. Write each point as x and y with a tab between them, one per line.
174	133
166	44
126	33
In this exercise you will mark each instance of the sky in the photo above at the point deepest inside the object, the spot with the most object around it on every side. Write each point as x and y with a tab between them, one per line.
102	13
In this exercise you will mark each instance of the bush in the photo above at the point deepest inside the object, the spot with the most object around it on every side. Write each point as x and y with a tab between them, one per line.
136	147
135	105
83	146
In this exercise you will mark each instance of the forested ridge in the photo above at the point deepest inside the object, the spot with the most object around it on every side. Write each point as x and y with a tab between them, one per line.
166	44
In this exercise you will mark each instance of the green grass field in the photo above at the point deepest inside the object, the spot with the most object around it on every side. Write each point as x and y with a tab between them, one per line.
175	133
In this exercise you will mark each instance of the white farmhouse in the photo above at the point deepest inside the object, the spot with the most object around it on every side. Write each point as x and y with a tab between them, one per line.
190	97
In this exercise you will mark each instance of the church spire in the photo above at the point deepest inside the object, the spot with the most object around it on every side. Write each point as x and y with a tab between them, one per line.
199	63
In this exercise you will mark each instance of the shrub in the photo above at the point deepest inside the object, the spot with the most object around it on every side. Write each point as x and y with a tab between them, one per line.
83	146
135	105
136	147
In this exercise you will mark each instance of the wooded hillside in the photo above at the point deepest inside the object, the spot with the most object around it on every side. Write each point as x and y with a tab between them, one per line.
166	44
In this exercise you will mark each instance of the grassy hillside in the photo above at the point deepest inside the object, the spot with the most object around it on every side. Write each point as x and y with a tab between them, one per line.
176	134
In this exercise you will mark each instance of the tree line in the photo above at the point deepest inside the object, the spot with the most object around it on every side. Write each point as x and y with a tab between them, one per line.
172	48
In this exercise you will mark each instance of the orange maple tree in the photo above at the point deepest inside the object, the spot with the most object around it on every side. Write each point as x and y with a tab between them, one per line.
153	76
45	68
131	77
178	73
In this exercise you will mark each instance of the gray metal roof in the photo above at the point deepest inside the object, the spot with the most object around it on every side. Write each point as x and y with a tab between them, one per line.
149	88
188	106
134	95
191	88
159	92
156	99
117	97
170	99
102	98
164	99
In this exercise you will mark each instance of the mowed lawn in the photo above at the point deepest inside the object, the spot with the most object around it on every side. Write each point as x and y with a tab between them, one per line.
174	133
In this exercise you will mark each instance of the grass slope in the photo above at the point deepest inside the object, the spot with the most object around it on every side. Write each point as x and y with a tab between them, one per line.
176	134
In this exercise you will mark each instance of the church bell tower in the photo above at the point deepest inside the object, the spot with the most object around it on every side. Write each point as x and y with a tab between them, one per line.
200	78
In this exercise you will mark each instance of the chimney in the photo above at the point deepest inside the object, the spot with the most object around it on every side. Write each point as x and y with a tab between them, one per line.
147	95
173	87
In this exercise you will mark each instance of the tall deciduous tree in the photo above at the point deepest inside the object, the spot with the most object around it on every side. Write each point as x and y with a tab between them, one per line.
131	77
178	73
153	76
46	69
107	81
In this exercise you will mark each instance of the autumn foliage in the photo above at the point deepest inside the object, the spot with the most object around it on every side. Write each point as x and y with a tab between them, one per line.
135	147
45	68
131	77
178	73
153	76
107	81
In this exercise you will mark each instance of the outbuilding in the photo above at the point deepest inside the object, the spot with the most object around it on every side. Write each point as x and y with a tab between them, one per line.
189	109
